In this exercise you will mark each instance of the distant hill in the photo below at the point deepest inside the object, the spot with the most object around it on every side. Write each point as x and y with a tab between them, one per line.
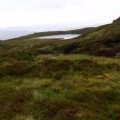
15	32
7	34
49	33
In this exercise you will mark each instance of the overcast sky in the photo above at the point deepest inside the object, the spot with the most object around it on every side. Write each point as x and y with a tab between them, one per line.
15	13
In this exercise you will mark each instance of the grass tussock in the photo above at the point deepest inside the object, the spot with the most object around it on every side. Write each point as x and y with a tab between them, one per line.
60	87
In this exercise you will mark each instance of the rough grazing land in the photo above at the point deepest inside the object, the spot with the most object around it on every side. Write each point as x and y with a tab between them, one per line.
60	87
77	79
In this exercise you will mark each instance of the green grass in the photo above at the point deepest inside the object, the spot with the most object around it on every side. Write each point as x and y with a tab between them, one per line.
60	87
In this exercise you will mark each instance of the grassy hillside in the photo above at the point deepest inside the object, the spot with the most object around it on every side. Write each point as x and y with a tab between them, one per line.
62	87
101	41
31	45
56	80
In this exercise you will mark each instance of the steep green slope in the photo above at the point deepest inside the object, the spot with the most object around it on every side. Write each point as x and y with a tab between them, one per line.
103	40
